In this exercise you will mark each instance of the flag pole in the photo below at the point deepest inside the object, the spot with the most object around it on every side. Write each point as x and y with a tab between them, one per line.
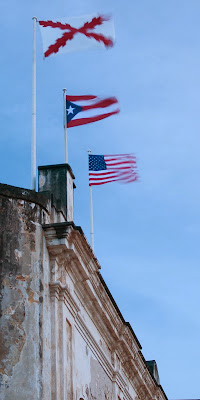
91	214
65	126
33	140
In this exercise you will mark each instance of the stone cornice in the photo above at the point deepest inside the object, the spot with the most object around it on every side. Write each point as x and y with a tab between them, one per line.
72	237
97	313
56	166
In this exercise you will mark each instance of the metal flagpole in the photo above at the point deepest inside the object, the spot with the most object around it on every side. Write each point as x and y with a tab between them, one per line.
33	141
91	214
65	126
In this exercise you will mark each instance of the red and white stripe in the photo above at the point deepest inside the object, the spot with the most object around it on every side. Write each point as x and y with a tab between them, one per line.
120	167
93	109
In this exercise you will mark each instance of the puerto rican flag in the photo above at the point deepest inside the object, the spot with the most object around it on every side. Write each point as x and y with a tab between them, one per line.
76	33
82	110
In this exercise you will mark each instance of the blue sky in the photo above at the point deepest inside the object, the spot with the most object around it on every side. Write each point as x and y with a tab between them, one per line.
146	233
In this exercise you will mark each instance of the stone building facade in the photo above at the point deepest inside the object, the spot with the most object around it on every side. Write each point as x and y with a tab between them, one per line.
62	334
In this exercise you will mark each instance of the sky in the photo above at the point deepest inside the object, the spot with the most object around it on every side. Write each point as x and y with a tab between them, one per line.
146	233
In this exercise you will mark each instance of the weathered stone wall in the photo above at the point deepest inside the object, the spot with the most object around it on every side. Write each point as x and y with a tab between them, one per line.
21	237
91	380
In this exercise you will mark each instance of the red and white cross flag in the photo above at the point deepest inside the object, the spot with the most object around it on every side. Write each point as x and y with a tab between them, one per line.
76	33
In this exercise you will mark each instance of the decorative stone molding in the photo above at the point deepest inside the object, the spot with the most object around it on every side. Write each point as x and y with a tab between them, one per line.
62	293
128	338
142	392
117	377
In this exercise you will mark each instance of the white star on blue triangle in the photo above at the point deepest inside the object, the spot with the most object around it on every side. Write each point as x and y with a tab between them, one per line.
72	109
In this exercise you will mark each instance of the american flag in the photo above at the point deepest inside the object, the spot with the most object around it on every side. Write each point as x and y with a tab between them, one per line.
110	168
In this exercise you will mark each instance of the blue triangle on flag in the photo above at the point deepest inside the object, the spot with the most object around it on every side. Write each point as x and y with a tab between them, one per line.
72	109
